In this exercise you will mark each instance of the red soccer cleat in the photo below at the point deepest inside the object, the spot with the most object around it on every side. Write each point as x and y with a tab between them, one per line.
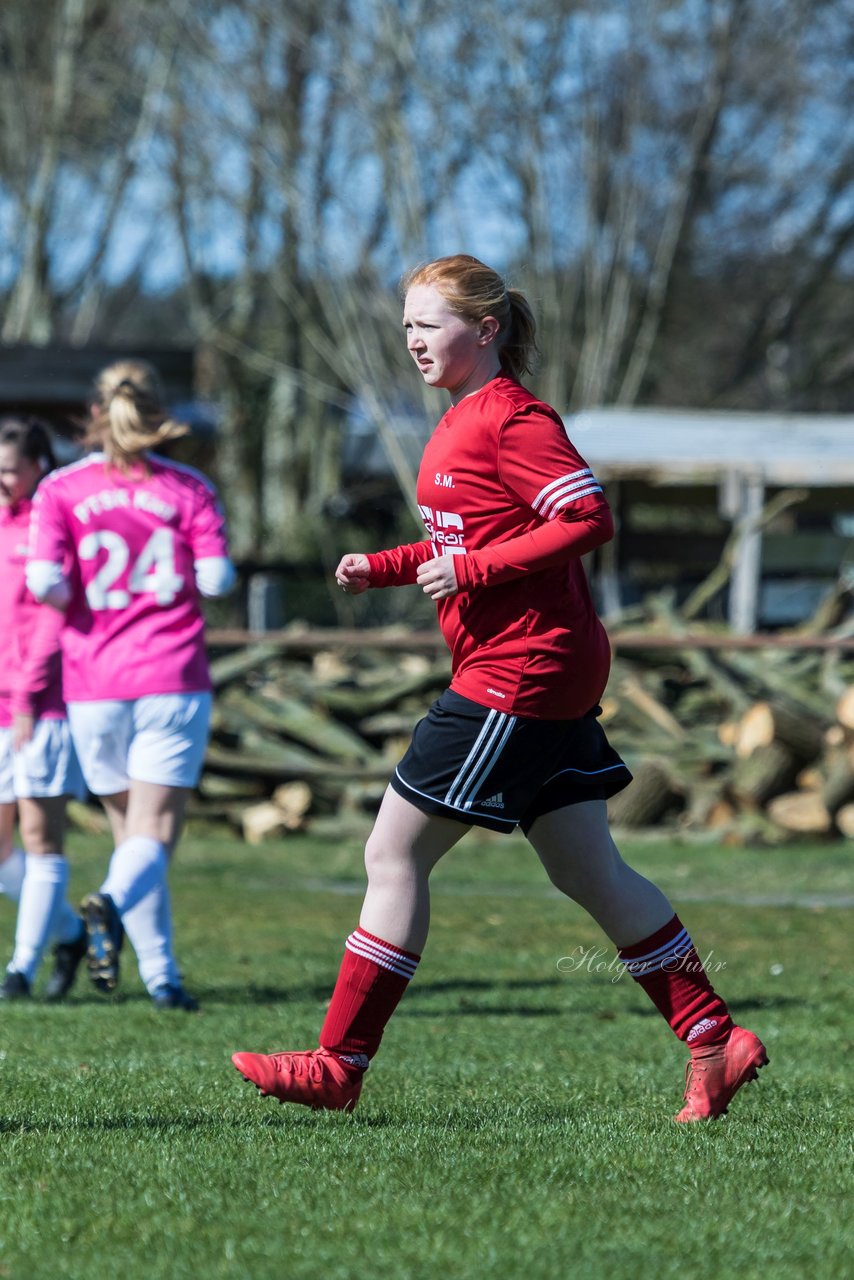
317	1079
717	1071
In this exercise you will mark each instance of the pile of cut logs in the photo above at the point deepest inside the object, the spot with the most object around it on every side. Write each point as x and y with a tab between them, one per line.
746	744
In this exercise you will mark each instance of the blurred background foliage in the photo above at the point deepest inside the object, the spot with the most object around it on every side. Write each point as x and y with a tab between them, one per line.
670	181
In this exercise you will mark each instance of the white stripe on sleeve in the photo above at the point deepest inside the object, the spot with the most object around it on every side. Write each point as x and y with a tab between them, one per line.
569	488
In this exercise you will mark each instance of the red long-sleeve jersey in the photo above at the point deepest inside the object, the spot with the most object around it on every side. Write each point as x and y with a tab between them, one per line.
503	490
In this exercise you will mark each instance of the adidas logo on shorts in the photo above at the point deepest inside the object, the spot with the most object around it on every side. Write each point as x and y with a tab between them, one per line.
494	802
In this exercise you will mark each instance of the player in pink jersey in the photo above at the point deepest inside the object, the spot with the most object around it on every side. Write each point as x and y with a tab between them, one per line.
38	767
146	539
509	507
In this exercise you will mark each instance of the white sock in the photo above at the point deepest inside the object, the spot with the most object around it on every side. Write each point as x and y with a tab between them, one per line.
12	874
39	907
136	867
148	926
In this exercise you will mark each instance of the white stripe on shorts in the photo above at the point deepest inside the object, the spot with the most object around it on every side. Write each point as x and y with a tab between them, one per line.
489	744
508	822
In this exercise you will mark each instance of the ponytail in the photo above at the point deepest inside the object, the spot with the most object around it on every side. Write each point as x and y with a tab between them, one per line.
128	416
519	350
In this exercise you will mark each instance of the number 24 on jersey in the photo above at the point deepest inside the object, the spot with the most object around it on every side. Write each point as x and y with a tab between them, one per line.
153	571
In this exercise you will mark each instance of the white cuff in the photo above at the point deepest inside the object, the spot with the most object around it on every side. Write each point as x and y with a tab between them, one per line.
215	575
48	583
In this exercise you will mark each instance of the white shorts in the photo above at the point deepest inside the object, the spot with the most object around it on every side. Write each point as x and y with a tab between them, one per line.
159	738
46	766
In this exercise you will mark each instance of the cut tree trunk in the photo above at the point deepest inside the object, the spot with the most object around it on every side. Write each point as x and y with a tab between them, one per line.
357	703
845	821
651	793
293	800
769	771
838	784
640	697
261	822
845	709
767	722
213	786
297	720
285	812
233	666
706	808
803	812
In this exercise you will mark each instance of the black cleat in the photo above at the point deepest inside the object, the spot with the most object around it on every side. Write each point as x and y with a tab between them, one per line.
104	938
14	986
66	961
171	997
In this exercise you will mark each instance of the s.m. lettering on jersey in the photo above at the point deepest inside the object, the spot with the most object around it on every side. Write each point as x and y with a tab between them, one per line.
445	529
444	481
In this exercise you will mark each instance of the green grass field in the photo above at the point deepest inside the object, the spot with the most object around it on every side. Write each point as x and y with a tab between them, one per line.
515	1124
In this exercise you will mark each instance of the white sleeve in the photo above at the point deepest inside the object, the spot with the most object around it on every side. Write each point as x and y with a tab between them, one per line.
215	575
48	583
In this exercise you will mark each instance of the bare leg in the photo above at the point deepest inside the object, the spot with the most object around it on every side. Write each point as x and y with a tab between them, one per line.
8	817
147	809
42	824
576	849
116	807
401	851
155	811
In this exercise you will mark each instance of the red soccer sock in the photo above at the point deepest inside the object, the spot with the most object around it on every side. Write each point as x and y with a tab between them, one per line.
371	982
671	973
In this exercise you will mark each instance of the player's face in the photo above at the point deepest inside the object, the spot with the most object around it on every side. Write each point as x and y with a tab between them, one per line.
448	350
18	476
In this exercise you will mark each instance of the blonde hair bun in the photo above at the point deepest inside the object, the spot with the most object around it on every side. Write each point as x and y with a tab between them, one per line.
129	416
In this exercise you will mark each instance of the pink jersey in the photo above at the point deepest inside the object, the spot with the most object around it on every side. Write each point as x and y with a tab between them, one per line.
30	662
133	625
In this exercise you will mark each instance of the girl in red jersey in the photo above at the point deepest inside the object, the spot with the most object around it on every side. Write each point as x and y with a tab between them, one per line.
38	767
509	507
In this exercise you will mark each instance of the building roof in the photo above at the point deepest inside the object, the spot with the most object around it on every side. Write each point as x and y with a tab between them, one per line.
682	445
55	382
59	374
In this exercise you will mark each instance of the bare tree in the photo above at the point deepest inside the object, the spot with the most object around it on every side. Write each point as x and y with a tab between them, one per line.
670	180
321	113
82	87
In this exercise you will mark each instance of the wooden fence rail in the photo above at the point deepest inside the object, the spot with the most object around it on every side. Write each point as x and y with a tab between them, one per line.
395	639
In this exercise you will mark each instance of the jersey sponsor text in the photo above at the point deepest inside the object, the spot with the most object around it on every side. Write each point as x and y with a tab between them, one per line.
445	528
116	499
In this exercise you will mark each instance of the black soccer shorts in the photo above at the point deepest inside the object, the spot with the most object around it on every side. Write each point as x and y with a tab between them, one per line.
491	769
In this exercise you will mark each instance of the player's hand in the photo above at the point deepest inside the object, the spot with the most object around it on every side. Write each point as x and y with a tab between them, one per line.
353	574
438	577
22	731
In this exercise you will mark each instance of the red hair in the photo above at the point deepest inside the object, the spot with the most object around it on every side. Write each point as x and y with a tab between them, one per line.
473	290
